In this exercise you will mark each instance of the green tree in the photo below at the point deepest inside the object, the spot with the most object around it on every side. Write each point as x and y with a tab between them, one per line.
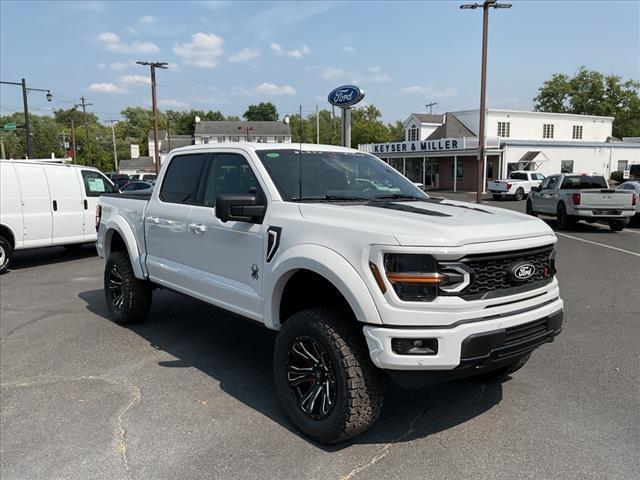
63	117
367	126
589	92
396	131
261	112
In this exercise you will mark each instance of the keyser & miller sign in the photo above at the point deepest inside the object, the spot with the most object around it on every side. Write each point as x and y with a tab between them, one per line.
421	146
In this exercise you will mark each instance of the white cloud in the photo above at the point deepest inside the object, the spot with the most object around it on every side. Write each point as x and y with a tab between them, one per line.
348	49
115	44
244	55
172	103
147	19
102	65
329	72
430	91
271	89
293	53
135	79
118	66
203	50
378	76
106	87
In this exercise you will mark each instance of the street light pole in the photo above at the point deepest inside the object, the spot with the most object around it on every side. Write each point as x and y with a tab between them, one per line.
154	107
25	91
483	90
113	139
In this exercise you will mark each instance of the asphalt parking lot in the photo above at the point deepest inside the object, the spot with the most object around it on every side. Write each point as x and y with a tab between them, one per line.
189	393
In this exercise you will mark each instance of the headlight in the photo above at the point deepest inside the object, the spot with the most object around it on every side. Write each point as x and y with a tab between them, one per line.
418	277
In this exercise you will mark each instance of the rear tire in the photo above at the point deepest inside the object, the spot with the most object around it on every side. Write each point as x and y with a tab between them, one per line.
617	225
564	220
530	209
6	254
128	298
497	197
335	392
519	196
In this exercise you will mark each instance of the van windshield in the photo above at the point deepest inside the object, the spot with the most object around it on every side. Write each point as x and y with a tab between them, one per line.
339	176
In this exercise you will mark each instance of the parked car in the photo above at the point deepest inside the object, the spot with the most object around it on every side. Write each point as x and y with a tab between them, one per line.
573	197
137	186
517	185
46	204
634	186
142	176
360	281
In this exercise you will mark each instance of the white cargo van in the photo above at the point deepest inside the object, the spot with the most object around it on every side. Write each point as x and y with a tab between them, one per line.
46	204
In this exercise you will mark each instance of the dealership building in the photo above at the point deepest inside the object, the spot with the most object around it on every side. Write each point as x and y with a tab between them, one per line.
436	146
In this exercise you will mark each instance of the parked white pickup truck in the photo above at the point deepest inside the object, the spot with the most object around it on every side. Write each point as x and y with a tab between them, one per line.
573	197
361	278
517	185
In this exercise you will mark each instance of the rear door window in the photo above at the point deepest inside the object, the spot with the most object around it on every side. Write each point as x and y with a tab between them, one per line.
95	184
180	184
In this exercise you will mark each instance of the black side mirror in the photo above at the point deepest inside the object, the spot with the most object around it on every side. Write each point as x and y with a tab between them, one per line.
535	189
239	208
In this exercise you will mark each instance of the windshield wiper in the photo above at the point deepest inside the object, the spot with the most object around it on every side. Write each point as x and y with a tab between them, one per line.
329	198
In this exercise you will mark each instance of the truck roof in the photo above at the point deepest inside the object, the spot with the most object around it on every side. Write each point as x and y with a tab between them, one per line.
267	146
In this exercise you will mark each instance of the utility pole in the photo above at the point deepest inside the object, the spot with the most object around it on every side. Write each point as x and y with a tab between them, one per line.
483	89
154	107
317	126
113	139
73	139
25	92
168	135
430	106
84	105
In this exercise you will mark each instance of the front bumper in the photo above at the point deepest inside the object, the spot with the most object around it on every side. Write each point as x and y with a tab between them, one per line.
465	343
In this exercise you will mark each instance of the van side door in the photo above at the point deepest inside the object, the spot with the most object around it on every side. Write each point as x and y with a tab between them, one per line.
37	205
66	200
93	184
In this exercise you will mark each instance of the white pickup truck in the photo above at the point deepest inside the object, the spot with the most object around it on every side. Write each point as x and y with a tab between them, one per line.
573	197
360	278
517	185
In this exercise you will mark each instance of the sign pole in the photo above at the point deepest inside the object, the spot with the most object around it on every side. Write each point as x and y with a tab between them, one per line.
346	127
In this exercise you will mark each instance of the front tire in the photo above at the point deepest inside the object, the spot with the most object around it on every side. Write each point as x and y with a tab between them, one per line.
324	376
530	209
128	298
617	225
519	196
6	254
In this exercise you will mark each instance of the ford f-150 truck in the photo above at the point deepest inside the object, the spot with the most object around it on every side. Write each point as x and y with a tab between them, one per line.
362	273
518	185
573	197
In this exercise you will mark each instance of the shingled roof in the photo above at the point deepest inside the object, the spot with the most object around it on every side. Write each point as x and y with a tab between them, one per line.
240	128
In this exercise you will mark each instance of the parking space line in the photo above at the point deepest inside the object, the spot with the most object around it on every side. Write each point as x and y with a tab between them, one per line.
600	244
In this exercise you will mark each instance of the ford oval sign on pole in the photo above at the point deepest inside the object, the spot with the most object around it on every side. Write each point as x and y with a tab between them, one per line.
345	97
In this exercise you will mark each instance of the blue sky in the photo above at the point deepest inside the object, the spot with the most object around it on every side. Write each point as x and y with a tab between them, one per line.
227	55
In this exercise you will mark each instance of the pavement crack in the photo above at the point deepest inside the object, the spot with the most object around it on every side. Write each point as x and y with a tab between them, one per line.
386	448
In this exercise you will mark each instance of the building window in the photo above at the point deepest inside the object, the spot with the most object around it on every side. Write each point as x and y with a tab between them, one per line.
234	139
504	129
566	166
577	132
547	130
413	133
622	165
458	172
205	139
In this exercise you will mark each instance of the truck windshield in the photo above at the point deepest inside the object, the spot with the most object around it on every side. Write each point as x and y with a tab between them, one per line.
339	176
518	176
582	182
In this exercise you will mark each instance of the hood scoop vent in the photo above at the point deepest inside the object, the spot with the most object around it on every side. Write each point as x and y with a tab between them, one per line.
407	208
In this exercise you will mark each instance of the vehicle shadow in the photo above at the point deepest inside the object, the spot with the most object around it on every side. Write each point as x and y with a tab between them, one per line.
48	255
238	354
580	227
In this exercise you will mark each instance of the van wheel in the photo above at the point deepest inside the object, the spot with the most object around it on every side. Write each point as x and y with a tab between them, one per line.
324	376
128	298
530	209
504	371
519	194
617	225
564	220
6	254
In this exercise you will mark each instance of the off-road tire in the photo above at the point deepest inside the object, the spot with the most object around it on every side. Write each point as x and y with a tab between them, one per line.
617	225
564	221
505	371
519	194
529	209
359	384
6	254
136	294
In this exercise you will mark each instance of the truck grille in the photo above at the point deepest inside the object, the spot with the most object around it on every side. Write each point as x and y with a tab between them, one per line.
491	274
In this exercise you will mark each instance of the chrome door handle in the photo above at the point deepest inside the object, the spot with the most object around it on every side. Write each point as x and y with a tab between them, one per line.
197	228
155	220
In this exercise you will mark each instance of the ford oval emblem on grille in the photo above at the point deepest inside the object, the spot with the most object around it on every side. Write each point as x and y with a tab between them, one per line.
523	272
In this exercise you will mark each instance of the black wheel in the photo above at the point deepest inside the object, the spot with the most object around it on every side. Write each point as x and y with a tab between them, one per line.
519	194
6	254
564	220
617	225
530	209
497	197
128	298
505	371
324	376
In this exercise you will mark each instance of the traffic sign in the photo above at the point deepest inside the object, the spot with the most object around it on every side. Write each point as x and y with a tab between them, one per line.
9	126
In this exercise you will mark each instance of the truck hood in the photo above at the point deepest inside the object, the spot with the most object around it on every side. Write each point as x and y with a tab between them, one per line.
429	223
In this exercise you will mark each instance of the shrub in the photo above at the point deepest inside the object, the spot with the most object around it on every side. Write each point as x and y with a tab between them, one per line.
617	176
